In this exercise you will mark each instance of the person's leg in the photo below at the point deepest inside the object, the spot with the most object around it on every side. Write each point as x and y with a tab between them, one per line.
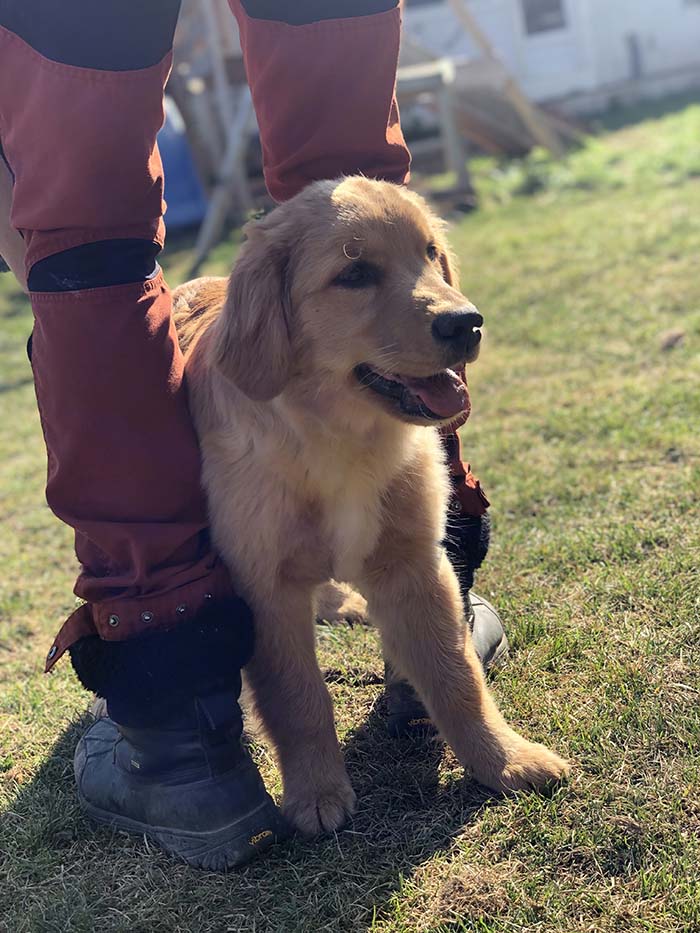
322	75
466	544
79	112
161	635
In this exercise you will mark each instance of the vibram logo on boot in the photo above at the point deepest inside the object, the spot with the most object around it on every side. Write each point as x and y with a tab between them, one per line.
259	837
425	721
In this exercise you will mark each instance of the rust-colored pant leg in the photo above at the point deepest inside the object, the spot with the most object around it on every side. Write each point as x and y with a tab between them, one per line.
323	76
81	87
323	89
469	497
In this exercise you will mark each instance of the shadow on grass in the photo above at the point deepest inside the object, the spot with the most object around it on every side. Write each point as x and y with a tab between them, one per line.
620	115
98	879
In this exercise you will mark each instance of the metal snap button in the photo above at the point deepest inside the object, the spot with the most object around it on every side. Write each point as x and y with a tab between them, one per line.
113	621
147	616
52	652
182	608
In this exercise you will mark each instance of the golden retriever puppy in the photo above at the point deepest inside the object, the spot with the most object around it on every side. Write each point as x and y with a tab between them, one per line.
317	376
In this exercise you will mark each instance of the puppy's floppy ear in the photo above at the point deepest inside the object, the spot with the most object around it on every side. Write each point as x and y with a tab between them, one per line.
252	342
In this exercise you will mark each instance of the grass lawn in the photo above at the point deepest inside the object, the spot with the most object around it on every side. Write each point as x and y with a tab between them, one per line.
586	434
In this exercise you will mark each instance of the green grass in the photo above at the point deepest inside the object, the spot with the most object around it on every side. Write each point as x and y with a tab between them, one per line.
659	149
585	433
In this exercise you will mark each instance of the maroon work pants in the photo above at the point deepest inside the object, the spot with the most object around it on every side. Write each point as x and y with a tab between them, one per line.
81	91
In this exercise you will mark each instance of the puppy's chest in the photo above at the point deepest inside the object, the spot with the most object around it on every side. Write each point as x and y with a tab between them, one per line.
352	528
340	495
336	533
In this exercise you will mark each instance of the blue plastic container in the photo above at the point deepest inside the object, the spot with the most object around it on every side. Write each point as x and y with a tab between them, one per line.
187	203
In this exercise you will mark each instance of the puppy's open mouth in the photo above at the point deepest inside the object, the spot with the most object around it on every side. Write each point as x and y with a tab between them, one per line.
441	397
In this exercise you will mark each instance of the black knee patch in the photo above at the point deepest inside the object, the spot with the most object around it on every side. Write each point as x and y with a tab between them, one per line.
302	12
95	265
109	35
148	679
466	545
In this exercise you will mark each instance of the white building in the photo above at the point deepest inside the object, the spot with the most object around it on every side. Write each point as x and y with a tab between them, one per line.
580	52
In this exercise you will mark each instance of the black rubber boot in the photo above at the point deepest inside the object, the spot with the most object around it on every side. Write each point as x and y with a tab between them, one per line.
167	762
406	715
488	635
188	785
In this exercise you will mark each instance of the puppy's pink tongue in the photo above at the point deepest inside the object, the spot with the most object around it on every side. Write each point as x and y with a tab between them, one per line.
445	394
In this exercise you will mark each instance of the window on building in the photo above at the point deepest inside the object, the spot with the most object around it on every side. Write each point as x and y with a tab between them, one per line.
543	15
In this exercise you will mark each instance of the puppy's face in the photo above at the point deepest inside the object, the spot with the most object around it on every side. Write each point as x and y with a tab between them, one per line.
362	294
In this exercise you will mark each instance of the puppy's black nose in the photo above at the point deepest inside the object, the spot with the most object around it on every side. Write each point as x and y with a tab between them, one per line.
457	328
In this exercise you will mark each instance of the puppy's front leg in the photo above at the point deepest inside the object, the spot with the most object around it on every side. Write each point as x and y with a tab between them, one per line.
297	712
418	608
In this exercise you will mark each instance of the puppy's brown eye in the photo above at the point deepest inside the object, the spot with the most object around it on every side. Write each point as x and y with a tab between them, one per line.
432	252
358	275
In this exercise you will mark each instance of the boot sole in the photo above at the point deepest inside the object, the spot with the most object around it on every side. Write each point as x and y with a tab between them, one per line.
220	850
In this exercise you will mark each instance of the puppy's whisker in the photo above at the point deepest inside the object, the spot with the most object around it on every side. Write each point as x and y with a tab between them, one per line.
385	354
388	348
386	360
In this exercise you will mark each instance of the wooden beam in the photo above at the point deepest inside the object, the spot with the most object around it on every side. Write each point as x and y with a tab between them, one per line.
540	131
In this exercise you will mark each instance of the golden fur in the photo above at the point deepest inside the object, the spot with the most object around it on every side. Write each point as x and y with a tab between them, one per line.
311	476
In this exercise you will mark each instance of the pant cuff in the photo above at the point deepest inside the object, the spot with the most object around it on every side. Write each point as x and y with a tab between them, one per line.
156	678
124	619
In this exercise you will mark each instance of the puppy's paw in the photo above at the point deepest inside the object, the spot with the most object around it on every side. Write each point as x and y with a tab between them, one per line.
322	808
339	602
527	766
